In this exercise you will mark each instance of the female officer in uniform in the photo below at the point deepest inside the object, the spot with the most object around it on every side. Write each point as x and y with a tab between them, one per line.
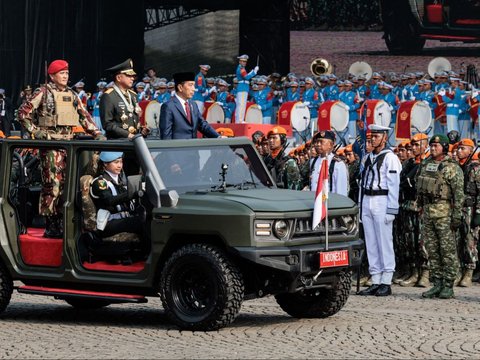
109	192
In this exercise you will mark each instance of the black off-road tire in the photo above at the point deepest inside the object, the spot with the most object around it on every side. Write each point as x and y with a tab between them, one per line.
200	288
6	288
317	303
86	304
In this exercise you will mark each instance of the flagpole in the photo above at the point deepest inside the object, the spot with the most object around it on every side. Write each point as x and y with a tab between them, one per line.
326	224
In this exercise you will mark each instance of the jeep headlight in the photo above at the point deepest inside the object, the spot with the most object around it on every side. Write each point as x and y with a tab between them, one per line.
281	229
350	222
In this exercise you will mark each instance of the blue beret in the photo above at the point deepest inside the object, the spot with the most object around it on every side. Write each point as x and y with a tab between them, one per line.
109	156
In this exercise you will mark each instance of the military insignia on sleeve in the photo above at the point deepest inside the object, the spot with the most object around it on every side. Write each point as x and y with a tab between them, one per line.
102	184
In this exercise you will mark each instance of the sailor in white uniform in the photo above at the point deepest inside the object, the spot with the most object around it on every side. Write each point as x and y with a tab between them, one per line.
379	204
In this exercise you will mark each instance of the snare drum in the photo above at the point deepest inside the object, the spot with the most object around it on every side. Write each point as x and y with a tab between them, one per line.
332	114
419	114
295	114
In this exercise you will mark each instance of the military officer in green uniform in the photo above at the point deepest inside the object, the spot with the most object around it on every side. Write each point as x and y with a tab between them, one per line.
471	210
119	110
440	197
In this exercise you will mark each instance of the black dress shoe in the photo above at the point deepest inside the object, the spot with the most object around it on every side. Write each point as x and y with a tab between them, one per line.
384	290
371	290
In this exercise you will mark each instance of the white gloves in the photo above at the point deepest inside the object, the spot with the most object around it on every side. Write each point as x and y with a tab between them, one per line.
426	102
219	103
306	103
404	92
205	93
347	107
212	89
474	94
441	92
412	98
390	107
259	107
256	69
360	99
389	218
280	100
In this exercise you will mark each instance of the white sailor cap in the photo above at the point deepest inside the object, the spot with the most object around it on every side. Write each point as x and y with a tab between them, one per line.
427	81
243	57
146	79
347	83
79	84
162	84
378	128
170	84
204	67
376	75
101	84
140	84
332	77
156	84
361	77
262	80
455	79
293	83
163	79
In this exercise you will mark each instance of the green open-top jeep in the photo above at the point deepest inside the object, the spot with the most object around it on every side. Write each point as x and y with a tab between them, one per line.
218	232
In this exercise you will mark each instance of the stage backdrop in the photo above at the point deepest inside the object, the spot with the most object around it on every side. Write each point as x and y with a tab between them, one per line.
91	35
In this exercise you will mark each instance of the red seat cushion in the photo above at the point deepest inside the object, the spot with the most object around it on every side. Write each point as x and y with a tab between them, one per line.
104	266
37	250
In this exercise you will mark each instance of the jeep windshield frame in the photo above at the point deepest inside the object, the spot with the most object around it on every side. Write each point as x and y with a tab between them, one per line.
197	167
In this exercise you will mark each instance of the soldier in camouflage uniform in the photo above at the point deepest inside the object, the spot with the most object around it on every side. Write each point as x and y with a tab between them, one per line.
413	250
53	112
440	197
471	211
283	168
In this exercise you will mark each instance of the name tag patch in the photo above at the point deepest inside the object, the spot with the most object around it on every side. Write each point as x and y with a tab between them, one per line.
432	167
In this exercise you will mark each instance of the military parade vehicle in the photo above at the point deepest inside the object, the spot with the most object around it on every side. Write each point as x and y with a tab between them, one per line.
218	232
408	23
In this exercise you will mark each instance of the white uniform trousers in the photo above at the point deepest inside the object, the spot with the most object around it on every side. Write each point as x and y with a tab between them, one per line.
241	105
452	123
378	239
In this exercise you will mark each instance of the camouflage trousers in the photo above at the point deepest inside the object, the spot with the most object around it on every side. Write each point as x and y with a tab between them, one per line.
441	247
468	241
53	164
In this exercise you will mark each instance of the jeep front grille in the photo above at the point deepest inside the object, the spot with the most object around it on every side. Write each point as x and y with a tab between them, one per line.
303	227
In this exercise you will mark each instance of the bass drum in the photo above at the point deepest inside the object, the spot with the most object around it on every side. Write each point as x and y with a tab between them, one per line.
152	115
295	114
419	113
333	114
253	115
378	112
213	113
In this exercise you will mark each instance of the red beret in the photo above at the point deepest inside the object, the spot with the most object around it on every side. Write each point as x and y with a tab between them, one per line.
56	66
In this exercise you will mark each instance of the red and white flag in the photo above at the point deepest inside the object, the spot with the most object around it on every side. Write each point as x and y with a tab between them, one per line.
321	196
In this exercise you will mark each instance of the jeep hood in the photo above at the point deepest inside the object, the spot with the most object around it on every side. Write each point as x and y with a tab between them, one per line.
275	200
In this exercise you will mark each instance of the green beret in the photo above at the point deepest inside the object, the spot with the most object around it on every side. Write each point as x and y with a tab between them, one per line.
439	139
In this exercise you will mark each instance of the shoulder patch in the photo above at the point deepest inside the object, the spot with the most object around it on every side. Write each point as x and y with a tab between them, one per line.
108	91
132	92
102	184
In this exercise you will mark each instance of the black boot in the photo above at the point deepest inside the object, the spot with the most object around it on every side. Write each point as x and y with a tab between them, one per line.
53	227
370	291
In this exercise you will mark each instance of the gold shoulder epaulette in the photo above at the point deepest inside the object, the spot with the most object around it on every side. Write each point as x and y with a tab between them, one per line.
108	91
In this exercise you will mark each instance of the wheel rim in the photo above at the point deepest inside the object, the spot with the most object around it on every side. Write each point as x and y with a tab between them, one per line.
194	289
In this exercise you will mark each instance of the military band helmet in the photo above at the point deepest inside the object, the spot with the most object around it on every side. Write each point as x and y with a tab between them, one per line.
125	67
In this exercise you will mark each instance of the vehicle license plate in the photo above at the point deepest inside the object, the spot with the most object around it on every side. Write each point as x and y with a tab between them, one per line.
333	258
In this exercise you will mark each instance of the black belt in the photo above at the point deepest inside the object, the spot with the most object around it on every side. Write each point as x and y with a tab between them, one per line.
371	192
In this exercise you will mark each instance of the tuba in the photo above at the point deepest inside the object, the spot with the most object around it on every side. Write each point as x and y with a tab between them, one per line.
361	68
320	67
438	64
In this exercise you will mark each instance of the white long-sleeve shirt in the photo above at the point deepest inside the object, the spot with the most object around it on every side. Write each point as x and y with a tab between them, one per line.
339	179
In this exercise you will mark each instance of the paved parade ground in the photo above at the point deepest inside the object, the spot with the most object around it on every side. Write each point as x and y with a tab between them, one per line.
400	326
